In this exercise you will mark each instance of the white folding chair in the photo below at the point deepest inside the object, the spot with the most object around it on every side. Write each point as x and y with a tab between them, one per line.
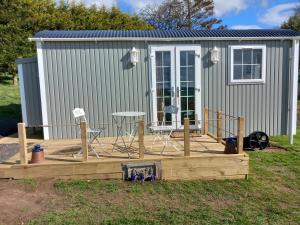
93	133
160	132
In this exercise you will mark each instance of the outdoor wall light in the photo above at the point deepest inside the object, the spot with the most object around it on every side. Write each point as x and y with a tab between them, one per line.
214	54
134	56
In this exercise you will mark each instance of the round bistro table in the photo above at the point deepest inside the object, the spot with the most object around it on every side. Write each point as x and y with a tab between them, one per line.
121	130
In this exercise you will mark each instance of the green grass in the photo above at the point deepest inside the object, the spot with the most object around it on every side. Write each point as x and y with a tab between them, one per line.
9	101
271	195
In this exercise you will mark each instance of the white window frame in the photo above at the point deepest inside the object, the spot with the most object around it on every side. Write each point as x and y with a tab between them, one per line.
263	65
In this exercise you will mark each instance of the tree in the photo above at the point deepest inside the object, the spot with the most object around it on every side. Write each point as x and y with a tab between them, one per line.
20	19
294	21
181	14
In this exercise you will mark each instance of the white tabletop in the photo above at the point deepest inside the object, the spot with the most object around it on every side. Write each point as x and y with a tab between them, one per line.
129	114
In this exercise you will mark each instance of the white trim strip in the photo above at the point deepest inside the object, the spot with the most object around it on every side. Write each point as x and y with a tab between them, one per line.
294	90
165	39
42	90
22	94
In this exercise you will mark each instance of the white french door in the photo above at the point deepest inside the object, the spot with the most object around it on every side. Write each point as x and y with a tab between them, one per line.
176	81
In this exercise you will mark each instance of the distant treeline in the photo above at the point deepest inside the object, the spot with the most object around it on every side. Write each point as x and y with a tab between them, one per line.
20	19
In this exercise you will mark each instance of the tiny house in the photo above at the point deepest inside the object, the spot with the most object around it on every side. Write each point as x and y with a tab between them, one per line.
253	73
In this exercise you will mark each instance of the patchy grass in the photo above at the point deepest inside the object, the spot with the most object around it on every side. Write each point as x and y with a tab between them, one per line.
9	101
29	184
271	195
91	185
284	141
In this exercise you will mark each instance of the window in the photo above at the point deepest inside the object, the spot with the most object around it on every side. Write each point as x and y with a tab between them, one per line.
248	64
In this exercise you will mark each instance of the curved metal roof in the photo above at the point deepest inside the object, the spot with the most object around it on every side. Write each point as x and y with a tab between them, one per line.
164	34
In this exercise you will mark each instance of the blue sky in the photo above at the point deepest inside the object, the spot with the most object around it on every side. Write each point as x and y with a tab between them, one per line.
237	14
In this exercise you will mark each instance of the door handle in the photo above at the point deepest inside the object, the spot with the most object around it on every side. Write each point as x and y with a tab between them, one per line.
177	92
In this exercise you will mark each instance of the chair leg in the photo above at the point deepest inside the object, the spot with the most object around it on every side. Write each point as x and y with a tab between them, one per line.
91	147
163	149
156	136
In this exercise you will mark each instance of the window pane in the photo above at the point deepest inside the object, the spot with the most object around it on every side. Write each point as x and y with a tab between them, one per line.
191	74
184	92
247	54
159	104
167	101
183	88
158	58
167	90
184	103
183	75
160	116
184	114
237	72
257	56
168	118
167	74
237	56
247	72
159	90
191	58
167	59
159	74
191	115
256	72
191	89
191	103
183	58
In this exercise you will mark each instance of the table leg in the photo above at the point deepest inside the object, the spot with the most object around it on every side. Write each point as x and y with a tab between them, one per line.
119	132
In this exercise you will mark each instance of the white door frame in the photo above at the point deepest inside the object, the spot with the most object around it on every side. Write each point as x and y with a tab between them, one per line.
153	49
197	50
175	80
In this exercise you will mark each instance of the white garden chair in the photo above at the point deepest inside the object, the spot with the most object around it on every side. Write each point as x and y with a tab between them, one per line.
93	133
160	132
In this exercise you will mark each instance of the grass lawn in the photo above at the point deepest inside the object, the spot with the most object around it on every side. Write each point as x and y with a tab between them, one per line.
9	101
271	195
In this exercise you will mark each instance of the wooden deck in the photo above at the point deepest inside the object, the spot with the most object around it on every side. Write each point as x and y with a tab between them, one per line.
207	160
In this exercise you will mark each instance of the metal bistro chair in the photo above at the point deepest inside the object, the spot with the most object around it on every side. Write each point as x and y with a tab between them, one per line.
160	130
93	133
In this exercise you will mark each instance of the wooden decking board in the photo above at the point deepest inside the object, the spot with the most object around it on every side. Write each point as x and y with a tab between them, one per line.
207	161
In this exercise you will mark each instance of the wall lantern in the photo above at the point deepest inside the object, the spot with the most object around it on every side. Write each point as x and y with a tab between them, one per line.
214	55
134	56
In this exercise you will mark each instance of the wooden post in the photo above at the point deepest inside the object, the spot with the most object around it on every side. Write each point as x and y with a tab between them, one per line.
219	127
141	139
22	143
205	123
187	137
84	141
240	137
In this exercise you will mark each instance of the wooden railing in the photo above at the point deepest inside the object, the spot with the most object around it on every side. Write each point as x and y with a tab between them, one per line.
220	117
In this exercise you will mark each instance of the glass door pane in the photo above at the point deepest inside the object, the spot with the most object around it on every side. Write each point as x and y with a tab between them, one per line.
163	85
187	85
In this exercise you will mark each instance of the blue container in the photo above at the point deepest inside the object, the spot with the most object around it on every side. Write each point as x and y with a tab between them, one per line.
37	148
230	147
